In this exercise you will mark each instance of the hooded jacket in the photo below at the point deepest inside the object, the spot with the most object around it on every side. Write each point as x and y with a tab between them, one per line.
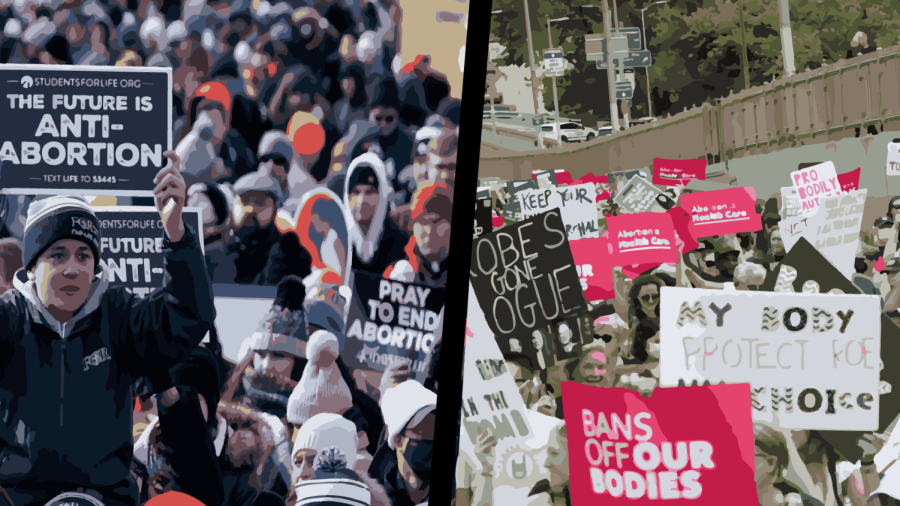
383	244
66	389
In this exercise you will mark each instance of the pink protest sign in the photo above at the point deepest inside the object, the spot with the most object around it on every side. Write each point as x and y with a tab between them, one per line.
628	450
678	172
593	261
849	181
814	183
721	212
642	238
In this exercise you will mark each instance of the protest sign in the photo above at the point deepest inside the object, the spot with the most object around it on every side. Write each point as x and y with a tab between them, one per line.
594	264
893	158
643	238
790	202
131	245
678	172
483	192
483	217
545	179
850	180
833	229
524	275
389	322
577	204
639	196
625	449
772	341
513	209
815	183
84	130
721	212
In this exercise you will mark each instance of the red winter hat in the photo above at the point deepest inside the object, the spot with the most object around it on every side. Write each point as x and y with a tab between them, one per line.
216	92
173	499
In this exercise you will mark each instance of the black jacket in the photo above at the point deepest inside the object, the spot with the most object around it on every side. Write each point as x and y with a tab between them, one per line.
67	391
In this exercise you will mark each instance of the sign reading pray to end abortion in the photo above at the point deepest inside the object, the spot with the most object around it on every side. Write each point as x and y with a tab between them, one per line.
811	359
625	449
83	130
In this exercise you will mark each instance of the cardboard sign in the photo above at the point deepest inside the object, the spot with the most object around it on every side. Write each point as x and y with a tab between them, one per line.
483	215
812	358
815	183
577	204
791	205
639	196
893	159
849	180
131	245
84	130
678	172
628	450
833	229
594	264
545	179
389	322
721	212
644	238
525	277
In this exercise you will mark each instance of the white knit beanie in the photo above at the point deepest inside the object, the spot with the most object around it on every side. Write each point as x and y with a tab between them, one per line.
320	390
407	402
324	431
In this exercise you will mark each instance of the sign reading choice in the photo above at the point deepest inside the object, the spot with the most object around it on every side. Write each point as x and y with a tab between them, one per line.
812	359
524	275
625	449
73	129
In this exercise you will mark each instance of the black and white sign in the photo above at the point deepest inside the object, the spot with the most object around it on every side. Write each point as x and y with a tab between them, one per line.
577	203
83	130
483	217
131	245
391	321
525	277
639	196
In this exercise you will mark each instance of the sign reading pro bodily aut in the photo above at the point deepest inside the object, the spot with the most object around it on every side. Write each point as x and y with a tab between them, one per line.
628	450
524	275
577	203
815	183
132	245
812	359
83	130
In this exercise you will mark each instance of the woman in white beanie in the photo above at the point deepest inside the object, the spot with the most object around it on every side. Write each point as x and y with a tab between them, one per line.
321	389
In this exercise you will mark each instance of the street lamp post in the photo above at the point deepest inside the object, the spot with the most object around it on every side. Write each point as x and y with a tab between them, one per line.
555	99
490	99
647	47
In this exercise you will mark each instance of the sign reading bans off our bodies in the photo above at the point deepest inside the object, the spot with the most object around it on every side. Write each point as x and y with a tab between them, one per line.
811	359
96	130
524	275
391	321
132	245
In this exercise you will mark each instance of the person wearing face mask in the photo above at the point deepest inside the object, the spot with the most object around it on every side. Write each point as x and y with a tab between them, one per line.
403	462
278	160
427	218
375	239
89	343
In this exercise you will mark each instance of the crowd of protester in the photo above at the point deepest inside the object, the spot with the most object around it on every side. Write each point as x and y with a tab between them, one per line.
622	349
275	105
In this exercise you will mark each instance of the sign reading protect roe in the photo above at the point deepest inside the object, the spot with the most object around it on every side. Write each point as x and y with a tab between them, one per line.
83	130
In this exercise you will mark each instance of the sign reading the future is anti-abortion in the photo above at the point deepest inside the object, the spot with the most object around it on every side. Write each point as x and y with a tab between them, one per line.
83	130
810	359
132	245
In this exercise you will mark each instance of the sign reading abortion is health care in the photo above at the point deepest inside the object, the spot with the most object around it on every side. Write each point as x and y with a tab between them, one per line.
83	130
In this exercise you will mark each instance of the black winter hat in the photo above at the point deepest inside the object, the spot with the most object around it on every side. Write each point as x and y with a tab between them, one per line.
57	218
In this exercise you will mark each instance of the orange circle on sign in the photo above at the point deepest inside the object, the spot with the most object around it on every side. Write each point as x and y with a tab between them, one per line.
309	138
173	499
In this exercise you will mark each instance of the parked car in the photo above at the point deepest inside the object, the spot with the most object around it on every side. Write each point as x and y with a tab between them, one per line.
570	132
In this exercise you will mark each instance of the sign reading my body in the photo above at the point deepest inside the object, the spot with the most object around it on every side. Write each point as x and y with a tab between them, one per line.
79	126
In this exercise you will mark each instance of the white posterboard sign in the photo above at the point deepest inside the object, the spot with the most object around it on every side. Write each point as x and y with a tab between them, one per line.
639	196
893	159
811	358
833	229
790	202
491	398
578	206
815	183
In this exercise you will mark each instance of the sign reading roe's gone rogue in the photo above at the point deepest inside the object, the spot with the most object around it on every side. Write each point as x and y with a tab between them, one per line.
83	130
524	275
